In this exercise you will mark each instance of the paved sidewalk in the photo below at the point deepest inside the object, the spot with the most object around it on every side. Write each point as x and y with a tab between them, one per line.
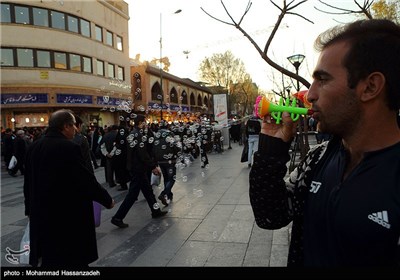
210	222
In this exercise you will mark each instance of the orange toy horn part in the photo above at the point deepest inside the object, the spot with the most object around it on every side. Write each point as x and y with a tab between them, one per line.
302	96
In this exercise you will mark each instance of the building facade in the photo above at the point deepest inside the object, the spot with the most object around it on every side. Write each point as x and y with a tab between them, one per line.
177	99
64	54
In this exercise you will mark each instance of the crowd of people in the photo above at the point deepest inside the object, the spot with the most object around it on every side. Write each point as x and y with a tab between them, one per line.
59	174
63	155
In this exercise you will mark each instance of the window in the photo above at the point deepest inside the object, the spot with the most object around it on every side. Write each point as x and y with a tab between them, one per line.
21	15
85	28
100	68
73	24
109	38
5	13
40	17
43	59
111	69
60	60
99	33
120	73
75	62
184	97
7	57
87	64
119	43
57	20
25	57
173	96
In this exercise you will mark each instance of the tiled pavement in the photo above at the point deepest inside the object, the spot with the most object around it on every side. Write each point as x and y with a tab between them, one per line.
210	222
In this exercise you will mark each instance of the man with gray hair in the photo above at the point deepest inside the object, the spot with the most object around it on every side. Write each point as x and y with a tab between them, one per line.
59	190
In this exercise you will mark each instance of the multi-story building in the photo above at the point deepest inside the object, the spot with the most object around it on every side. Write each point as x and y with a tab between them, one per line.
64	54
182	99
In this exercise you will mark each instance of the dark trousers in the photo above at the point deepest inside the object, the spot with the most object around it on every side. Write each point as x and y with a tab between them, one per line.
203	155
139	182
109	172
169	174
93	159
20	166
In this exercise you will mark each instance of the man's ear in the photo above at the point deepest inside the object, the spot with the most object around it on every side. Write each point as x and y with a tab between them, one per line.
373	86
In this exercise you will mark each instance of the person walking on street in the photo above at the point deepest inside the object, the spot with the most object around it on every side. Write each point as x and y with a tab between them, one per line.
253	128
83	142
344	197
108	148
20	147
8	146
59	190
119	160
139	163
166	150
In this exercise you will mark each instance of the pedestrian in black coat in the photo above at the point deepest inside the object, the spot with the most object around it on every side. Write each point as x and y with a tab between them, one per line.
59	190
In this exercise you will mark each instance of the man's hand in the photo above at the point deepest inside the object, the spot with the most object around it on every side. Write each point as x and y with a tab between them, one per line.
156	171
285	130
112	204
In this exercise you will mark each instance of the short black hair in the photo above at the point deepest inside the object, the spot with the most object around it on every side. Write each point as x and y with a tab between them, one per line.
78	120
139	118
374	47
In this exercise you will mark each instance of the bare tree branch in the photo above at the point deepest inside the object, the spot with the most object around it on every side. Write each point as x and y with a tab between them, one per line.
364	9
264	53
296	14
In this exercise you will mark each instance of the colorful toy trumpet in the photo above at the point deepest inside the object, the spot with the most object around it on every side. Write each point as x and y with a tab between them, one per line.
263	106
302	96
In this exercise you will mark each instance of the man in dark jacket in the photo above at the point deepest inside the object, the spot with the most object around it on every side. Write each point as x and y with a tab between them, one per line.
59	190
253	128
166	150
108	149
20	146
83	142
139	163
344	196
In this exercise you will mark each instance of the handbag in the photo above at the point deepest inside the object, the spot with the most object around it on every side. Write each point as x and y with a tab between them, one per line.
12	163
245	152
155	180
25	247
97	213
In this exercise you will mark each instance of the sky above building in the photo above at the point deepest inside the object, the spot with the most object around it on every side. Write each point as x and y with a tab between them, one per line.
188	37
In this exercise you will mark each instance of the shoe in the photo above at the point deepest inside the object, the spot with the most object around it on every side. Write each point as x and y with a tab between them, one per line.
158	214
118	223
163	200
112	185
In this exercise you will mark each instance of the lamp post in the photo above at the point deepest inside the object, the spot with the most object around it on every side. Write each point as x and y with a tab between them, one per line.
160	61
296	60
229	105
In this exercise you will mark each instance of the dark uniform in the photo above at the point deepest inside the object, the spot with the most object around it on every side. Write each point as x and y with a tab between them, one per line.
350	222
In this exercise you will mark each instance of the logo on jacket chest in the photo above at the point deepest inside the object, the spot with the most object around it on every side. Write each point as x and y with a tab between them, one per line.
315	186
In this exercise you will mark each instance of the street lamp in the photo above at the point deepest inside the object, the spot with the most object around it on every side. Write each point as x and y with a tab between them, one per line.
160	61
229	104
296	60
